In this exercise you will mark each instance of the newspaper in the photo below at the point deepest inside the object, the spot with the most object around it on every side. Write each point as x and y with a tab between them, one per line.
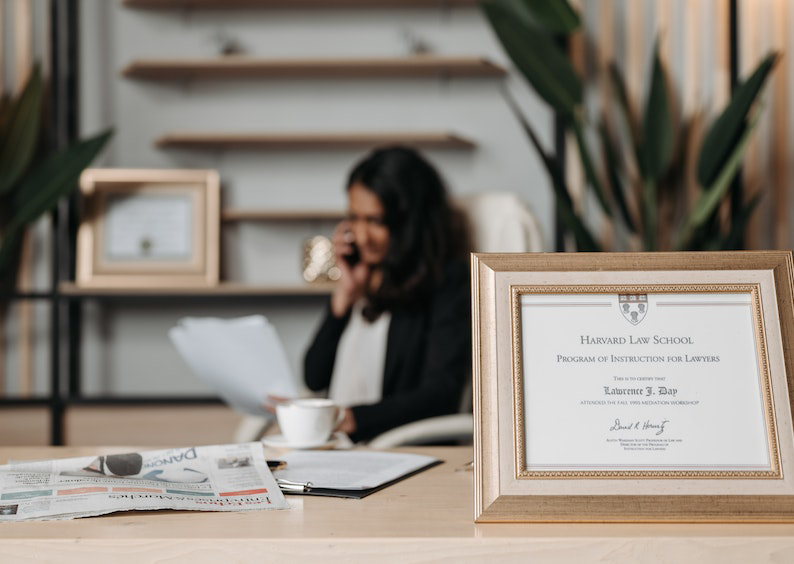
232	477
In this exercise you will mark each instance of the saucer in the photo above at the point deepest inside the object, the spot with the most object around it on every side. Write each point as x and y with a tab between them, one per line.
280	441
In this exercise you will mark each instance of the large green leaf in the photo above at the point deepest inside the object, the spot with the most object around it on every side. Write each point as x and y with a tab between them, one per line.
556	16
6	111
9	251
650	212
711	196
620	91
20	138
734	239
536	56
589	169
565	208
705	237
55	177
657	125
729	127
612	161
585	242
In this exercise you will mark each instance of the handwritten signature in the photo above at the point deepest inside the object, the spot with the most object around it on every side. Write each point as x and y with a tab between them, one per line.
646	425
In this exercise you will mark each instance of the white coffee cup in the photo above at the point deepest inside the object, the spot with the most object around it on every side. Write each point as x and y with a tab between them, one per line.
308	422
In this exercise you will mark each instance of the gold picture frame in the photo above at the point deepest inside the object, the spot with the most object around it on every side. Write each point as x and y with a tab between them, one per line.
633	387
148	228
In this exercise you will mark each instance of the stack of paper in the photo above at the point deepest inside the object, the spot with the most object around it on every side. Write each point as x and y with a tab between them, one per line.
353	473
243	359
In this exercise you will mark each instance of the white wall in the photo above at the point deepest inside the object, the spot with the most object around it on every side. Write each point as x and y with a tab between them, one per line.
126	348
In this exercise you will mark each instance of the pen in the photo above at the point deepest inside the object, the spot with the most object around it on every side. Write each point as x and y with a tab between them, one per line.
298	487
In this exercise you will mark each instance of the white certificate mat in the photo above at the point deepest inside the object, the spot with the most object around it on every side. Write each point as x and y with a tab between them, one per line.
149	227
654	382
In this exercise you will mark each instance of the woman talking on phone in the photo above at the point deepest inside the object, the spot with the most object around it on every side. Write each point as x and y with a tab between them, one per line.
394	345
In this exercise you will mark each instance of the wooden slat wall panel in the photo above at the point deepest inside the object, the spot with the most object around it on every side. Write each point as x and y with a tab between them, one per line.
749	48
787	154
23	62
780	134
721	85
23	42
767	167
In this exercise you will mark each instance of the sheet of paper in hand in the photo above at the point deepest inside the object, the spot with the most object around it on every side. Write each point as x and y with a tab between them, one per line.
242	358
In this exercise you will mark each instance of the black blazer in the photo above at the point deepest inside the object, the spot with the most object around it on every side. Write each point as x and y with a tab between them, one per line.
428	357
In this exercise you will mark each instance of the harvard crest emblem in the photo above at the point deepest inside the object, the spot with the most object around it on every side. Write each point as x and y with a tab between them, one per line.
633	307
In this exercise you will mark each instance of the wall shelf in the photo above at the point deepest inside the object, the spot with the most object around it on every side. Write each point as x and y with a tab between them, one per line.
233	215
225	290
249	67
176	4
298	141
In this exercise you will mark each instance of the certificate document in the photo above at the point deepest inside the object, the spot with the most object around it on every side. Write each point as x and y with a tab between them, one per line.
148	227
653	381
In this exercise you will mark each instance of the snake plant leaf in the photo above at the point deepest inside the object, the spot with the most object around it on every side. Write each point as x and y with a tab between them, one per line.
656	149
20	138
618	84
536	56
734	239
9	249
585	242
702	238
565	209
612	162
6	112
710	237
650	211
557	17
55	177
711	196
729	127
589	169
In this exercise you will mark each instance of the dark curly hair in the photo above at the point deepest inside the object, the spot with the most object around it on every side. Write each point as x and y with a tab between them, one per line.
425	230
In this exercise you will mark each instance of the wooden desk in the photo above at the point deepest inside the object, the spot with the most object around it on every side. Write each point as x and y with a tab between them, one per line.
426	518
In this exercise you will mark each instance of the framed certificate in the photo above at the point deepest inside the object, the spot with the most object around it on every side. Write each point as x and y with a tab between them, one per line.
144	227
633	387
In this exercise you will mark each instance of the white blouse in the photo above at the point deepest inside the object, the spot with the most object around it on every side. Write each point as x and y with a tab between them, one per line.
357	378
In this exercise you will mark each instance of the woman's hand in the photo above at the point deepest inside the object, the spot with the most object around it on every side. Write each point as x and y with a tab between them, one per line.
353	278
272	401
348	422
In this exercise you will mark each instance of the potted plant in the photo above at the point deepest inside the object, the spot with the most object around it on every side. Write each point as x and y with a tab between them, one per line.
32	178
630	186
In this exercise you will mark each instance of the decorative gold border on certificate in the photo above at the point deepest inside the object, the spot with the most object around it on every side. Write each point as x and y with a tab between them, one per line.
761	351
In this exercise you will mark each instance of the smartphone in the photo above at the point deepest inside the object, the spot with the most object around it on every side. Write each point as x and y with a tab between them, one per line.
353	256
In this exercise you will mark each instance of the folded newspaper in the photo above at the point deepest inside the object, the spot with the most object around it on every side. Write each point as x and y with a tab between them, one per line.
232	477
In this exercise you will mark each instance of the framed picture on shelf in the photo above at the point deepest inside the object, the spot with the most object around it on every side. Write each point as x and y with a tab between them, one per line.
633	387
149	228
